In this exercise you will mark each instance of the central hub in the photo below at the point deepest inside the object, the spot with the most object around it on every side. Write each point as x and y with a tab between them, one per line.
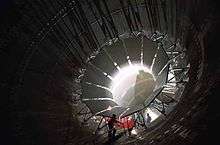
132	85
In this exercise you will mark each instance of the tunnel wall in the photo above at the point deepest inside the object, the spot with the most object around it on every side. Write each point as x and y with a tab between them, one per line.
39	62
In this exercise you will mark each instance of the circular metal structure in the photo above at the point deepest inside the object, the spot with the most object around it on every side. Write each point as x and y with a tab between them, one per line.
137	72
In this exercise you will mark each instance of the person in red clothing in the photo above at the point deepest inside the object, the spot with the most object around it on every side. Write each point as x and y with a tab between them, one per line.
130	126
127	123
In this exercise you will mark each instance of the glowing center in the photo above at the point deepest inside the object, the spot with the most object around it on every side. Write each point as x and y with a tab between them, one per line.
132	84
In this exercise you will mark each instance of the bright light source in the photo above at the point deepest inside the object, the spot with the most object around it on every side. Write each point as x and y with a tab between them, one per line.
134	132
109	108
125	79
126	72
140	137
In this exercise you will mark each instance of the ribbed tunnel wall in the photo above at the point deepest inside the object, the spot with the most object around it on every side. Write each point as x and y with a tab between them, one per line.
39	62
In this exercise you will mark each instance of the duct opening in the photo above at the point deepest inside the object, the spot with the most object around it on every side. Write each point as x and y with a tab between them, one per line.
137	74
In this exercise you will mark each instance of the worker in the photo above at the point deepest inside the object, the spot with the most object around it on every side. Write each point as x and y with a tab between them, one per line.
130	125
111	126
148	119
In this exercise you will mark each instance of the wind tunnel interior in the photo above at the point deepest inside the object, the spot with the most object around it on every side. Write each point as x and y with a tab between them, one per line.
50	49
